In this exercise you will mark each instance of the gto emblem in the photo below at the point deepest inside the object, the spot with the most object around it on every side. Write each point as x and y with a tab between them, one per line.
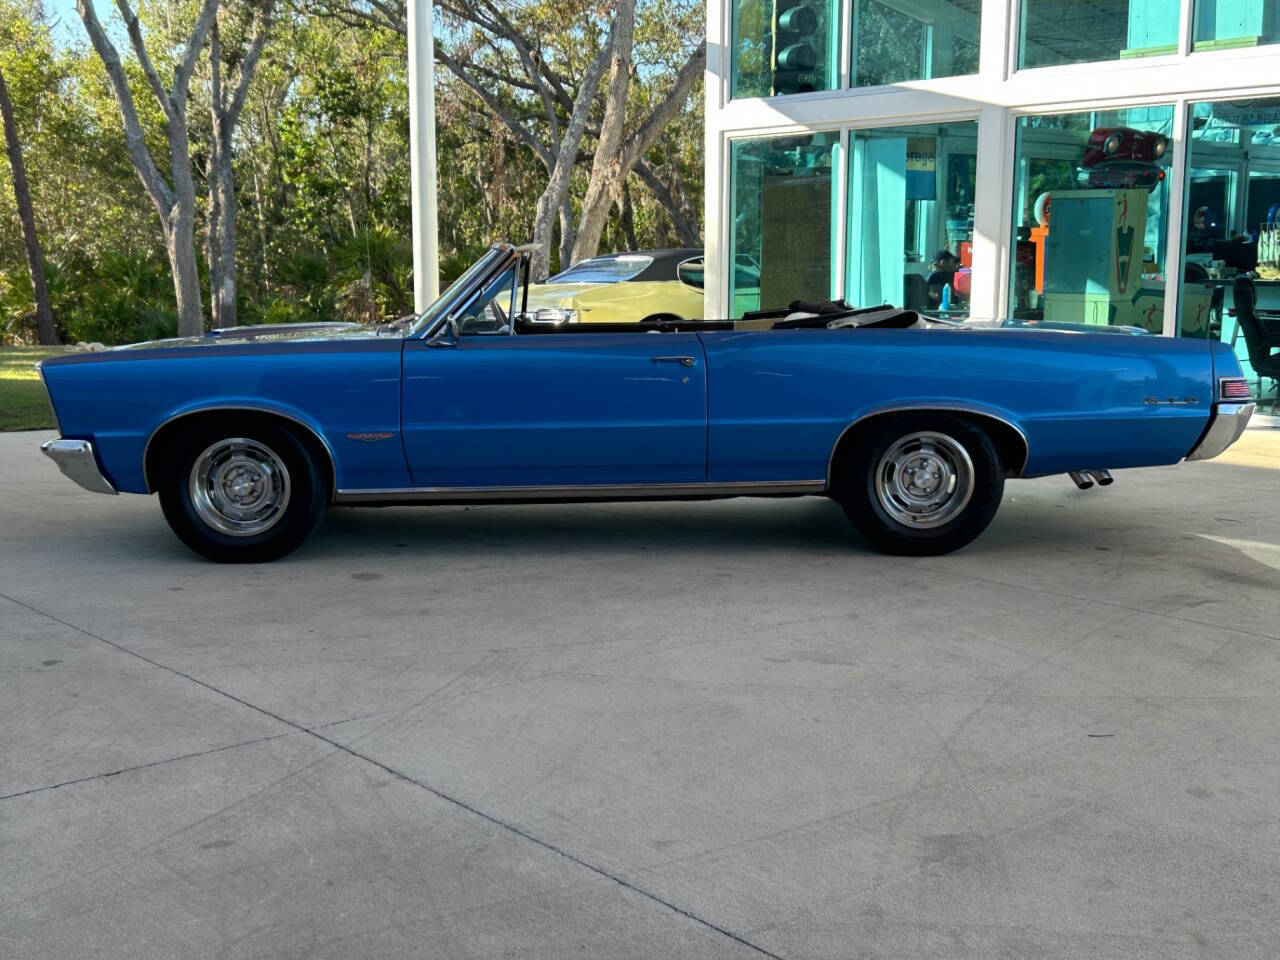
1174	401
370	437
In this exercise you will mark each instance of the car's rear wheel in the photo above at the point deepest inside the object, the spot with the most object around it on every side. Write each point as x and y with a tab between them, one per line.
921	484
244	493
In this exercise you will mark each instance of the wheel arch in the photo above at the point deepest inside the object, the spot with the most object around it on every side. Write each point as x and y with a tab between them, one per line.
171	427
1009	439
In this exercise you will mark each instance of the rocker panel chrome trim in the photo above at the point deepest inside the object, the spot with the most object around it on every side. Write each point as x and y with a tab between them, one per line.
579	491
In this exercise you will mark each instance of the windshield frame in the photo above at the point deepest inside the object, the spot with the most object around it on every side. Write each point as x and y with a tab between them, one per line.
463	290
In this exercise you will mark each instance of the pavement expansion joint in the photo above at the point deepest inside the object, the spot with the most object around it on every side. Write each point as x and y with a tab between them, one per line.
399	774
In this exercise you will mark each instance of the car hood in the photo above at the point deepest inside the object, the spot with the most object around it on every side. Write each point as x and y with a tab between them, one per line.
267	333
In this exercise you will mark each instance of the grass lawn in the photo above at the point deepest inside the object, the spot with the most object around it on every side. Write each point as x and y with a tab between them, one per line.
23	402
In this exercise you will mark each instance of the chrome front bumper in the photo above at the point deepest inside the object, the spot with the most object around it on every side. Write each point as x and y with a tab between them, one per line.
1226	424
75	458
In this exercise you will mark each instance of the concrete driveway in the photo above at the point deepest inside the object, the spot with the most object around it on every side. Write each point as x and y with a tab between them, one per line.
656	730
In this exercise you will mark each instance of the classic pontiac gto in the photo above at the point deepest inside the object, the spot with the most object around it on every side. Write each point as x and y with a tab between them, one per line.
248	435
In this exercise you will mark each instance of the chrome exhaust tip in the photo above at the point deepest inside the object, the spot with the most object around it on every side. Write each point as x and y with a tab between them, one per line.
1080	480
1104	477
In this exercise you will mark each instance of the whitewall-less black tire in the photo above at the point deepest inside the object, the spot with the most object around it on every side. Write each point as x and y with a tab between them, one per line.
242	493
921	484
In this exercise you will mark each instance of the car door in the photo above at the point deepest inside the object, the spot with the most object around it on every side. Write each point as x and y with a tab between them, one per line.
492	409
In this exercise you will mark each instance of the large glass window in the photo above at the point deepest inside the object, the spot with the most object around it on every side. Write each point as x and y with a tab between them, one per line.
895	41
1229	24
1090	217
793	46
910	225
783	223
1231	243
1080	31
785	46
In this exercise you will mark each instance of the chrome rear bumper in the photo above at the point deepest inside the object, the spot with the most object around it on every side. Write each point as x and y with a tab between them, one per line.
75	459
1226	424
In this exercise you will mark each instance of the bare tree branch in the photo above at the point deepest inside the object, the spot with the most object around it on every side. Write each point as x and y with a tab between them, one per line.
688	232
495	105
134	138
667	108
508	31
250	63
140	51
191	53
554	197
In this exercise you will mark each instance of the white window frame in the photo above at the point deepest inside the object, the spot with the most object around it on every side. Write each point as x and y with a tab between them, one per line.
996	96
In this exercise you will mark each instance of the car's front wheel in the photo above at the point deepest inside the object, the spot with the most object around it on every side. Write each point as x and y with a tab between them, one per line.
921	484
242	493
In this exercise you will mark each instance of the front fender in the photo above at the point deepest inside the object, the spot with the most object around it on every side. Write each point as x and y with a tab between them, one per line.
347	394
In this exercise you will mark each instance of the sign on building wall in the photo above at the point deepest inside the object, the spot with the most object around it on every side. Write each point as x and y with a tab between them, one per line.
922	167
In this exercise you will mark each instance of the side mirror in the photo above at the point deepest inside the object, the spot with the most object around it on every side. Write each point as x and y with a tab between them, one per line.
692	273
450	327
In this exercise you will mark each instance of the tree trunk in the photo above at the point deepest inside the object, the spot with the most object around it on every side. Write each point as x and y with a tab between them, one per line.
614	159
627	216
180	231
180	244
555	198
175	203
567	233
45	331
180	239
226	294
262	228
544	218
214	250
226	117
604	183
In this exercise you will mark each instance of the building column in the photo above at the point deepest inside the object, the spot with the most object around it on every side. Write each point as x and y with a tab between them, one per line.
422	156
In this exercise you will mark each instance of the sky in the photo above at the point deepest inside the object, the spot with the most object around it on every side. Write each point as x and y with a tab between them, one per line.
70	32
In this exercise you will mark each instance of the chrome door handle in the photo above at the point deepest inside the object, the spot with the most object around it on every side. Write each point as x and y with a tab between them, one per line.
683	361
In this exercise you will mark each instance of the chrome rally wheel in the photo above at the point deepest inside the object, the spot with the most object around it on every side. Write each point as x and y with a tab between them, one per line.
924	480
242	489
239	487
920	483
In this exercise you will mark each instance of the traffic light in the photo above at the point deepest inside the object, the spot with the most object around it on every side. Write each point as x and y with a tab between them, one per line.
795	55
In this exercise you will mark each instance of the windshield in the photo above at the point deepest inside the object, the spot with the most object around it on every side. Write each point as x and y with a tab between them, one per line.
468	279
610	269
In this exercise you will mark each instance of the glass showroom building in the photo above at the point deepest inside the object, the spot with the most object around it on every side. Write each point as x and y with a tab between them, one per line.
1097	161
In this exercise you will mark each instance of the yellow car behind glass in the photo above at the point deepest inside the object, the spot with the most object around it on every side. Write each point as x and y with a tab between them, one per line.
642	286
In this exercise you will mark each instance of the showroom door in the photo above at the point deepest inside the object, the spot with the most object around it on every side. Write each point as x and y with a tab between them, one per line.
546	409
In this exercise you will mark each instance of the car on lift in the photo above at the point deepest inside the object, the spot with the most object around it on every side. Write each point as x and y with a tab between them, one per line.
1122	158
913	425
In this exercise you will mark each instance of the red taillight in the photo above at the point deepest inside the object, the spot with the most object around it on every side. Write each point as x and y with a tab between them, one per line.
1234	388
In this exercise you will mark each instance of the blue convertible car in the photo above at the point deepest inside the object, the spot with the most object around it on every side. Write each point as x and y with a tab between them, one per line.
248	435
